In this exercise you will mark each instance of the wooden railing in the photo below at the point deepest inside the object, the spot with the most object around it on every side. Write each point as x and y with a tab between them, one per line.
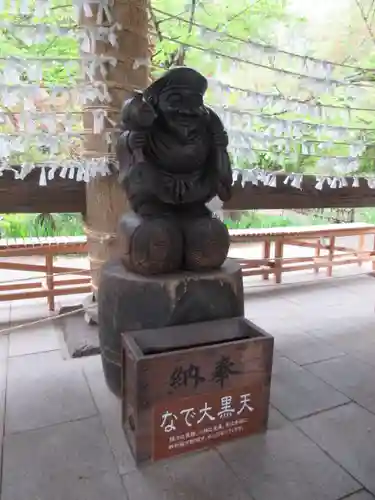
60	280
57	280
327	254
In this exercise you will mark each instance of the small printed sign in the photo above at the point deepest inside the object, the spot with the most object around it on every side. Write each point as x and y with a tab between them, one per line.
204	420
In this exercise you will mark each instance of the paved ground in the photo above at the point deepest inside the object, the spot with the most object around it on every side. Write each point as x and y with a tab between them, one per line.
62	437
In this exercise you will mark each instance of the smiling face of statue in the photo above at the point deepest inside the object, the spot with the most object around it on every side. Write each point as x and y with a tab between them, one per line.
181	100
182	109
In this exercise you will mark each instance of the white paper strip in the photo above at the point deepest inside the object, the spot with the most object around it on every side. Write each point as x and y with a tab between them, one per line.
258	176
43	120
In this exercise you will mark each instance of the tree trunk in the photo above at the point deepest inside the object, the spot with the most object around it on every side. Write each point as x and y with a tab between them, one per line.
106	201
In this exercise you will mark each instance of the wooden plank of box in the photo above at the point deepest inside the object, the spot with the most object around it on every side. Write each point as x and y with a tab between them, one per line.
192	386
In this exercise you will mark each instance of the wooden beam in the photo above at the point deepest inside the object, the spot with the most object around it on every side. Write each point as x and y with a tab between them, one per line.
65	195
284	196
26	196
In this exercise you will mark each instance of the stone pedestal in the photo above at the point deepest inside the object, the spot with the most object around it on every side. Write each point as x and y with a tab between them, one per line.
128	302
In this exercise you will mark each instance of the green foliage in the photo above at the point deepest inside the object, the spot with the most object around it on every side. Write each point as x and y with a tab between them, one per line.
241	18
367	215
61	67
15	42
258	220
40	225
16	226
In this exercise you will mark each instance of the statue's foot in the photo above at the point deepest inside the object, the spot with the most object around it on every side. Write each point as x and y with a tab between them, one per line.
150	245
206	243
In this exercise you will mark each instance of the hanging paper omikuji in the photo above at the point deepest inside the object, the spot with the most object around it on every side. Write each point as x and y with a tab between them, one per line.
48	75
314	115
52	72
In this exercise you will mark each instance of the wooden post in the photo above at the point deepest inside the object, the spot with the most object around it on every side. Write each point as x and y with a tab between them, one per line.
317	255
266	256
361	249
331	255
279	254
50	283
106	201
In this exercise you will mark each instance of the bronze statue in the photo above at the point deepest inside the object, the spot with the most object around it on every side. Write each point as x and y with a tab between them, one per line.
173	159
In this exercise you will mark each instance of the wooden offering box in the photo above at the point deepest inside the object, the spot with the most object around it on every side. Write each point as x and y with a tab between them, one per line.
192	386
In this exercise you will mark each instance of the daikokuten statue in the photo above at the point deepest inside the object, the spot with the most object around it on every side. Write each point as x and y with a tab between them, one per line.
173	160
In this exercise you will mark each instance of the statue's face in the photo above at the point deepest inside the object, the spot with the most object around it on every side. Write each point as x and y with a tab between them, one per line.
181	101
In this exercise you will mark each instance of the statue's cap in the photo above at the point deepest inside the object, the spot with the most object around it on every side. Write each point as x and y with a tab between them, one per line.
180	77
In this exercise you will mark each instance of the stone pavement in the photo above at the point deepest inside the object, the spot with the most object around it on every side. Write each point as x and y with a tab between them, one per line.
62	438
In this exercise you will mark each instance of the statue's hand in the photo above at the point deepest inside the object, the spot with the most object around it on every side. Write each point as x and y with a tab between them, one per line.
224	191
220	139
224	175
137	140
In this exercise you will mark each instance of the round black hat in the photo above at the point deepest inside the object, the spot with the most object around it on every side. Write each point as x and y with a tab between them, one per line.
178	77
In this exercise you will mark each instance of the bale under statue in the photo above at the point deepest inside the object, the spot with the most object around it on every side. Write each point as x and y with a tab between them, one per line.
173	160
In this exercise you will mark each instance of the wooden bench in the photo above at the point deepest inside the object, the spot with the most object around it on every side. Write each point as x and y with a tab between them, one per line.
321	238
56	280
